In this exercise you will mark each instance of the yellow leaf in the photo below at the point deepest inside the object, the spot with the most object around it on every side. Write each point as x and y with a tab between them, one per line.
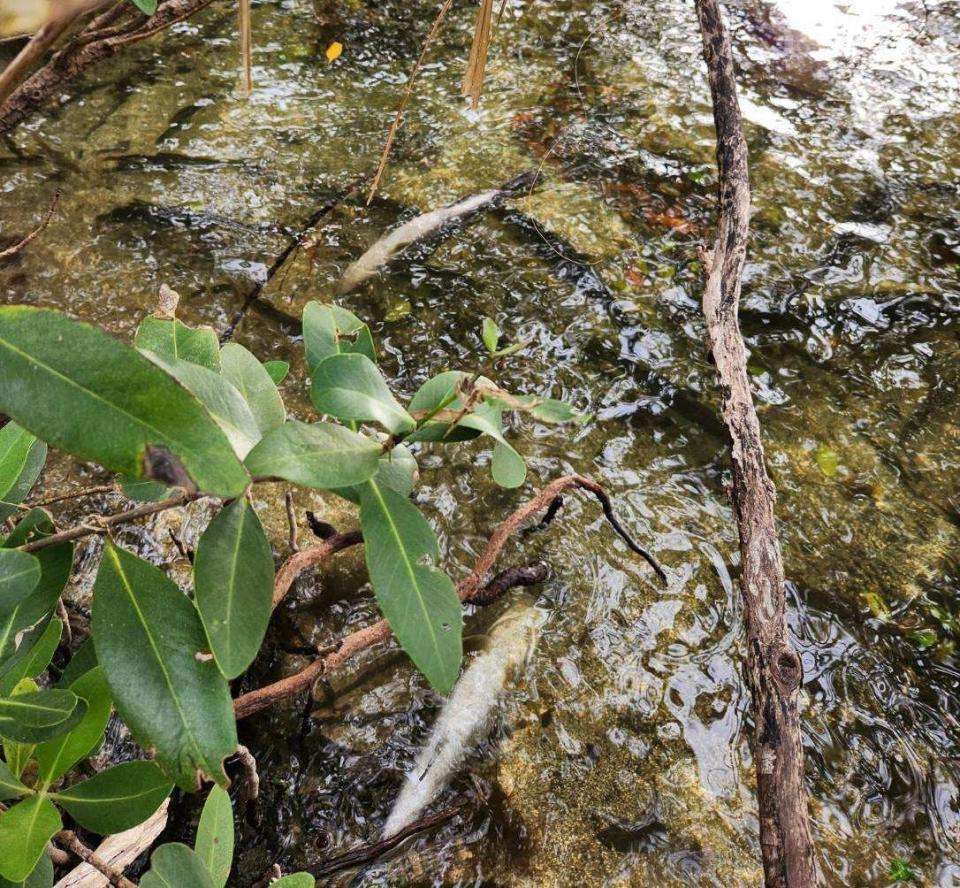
333	51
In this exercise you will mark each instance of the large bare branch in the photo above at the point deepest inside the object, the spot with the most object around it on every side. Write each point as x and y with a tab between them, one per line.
774	670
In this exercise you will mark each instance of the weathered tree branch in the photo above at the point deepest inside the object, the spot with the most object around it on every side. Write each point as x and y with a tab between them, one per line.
774	669
77	56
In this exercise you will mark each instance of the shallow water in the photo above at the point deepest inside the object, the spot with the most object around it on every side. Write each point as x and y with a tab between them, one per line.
625	754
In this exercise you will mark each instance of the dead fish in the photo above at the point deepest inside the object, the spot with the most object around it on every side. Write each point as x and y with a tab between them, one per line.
428	225
468	715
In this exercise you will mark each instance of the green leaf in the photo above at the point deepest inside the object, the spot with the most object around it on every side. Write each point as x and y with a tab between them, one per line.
418	599
32	656
320	455
351	387
19	575
295	880
147	7
175	340
55	565
24	832
18	755
827	460
249	377
396	470
21	460
83	660
223	402
233	581
507	467
89	394
56	757
438	392
491	335
277	370
142	490
116	799
10	787
148	637
331	330
512	349
41	877
214	845
39	715
554	411
176	866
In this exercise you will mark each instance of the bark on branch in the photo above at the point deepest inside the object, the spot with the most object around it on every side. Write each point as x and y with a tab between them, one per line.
76	57
774	670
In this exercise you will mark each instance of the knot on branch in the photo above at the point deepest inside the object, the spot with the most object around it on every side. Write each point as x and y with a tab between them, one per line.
785	666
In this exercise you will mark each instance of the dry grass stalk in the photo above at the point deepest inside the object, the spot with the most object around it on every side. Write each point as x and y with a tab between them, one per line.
405	98
479	50
246	44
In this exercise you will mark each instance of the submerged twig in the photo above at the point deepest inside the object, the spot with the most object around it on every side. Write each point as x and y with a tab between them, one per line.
17	248
296	564
367	853
289	250
511	578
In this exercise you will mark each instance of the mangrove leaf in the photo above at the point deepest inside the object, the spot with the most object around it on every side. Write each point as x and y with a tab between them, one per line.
89	394
150	642
116	799
233	581
320	455
214	844
418	599
25	830
350	387
249	377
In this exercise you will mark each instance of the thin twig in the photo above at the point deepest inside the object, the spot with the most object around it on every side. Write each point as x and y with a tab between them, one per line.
68	839
76	494
405	98
100	524
17	248
366	853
